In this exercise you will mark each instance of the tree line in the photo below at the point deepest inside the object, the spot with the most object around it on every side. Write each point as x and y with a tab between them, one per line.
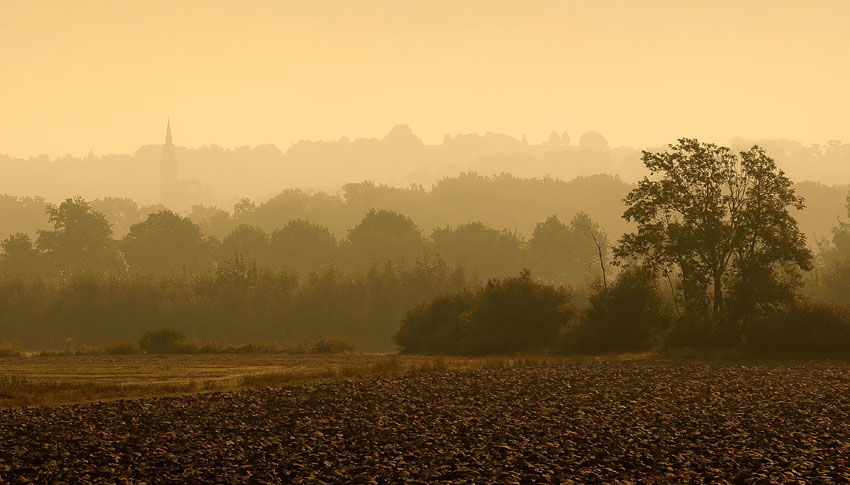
237	303
75	284
716	260
81	240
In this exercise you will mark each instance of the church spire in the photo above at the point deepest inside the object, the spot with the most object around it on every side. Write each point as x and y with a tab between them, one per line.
168	133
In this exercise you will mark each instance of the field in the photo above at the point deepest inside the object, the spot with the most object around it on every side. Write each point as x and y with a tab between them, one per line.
509	422
53	380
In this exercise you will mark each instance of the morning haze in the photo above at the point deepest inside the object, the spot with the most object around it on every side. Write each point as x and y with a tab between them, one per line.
102	76
424	242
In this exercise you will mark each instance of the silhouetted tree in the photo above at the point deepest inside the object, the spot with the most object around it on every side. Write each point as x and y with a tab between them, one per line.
833	282
715	215
436	327
81	240
20	255
563	253
212	220
832	278
319	207
592	140
121	213
518	315
382	235
244	208
627	316
22	214
839	250
302	246
505	316
165	243
250	242
486	251
599	236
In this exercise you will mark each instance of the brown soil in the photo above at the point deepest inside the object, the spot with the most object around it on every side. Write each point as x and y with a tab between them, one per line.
592	422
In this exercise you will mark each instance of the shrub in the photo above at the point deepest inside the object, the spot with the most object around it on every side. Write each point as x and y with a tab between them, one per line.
333	346
165	341
124	348
9	350
629	316
694	330
506	316
833	282
267	348
237	304
517	315
801	329
436	327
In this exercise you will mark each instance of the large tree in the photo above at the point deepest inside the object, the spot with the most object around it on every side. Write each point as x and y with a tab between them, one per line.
302	246
484	250
562	253
249	242
166	242
719	219
121	212
19	254
380	236
81	240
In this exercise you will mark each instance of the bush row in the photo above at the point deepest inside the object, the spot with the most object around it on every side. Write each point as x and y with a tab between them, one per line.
237	304
522	316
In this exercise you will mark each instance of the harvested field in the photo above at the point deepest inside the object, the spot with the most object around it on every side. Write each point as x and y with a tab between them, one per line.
52	380
591	422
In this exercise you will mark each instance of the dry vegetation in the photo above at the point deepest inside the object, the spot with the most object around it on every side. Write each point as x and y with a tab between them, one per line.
59	379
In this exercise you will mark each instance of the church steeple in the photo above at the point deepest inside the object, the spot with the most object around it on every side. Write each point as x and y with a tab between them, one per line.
168	133
168	169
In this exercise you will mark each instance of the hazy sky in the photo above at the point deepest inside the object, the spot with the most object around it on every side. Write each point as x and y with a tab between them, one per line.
105	75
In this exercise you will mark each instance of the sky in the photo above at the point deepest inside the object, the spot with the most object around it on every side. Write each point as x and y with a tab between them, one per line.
106	75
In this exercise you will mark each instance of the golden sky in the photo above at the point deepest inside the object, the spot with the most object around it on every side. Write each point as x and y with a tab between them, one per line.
105	75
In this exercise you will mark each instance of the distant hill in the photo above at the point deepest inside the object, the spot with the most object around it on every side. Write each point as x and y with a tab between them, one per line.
399	159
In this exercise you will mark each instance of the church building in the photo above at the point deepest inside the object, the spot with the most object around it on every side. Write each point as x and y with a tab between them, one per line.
175	193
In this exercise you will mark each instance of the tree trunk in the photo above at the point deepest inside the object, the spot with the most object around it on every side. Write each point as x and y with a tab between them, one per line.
717	310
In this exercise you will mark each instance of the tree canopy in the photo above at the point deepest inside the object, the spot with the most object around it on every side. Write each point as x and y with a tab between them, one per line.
717	218
564	253
380	235
485	250
250	242
303	246
166	242
81	240
20	255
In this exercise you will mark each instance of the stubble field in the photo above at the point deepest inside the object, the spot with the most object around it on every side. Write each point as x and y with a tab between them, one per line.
67	379
593	421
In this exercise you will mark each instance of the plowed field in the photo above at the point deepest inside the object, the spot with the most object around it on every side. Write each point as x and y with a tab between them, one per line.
595	422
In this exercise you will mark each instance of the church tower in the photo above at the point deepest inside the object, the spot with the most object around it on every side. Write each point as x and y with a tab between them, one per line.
168	170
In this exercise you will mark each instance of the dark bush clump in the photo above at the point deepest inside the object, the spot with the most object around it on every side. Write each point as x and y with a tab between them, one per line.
9	350
694	330
237	303
627	316
165	341
505	316
124	348
436	327
801	329
333	346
